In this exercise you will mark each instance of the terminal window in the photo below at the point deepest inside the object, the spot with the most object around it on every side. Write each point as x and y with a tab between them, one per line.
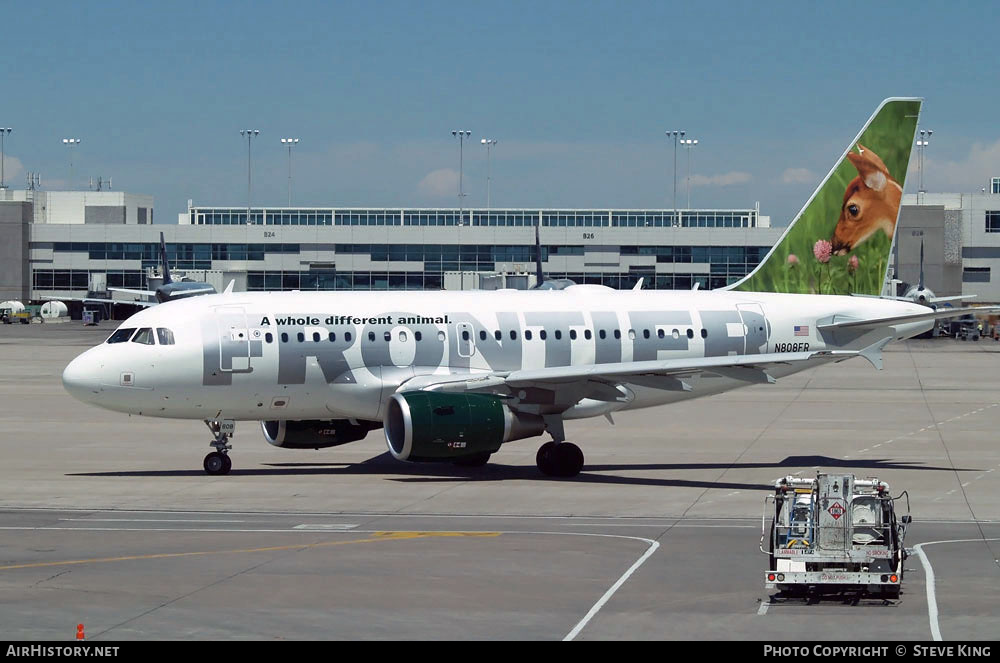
976	275
995	185
992	221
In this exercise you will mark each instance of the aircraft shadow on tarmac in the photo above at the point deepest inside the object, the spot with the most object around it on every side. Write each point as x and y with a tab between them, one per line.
394	470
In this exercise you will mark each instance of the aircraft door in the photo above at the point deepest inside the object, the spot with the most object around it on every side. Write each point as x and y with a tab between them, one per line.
465	339
755	328
234	339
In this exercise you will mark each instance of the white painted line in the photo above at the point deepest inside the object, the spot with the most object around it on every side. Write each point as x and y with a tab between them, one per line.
876	446
653	545
764	605
932	609
326	526
966	484
143	520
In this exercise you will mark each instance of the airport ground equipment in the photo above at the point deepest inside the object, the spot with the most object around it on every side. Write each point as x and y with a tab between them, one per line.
833	533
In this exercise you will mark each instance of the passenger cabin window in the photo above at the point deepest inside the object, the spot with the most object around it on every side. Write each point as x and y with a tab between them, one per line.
333	337
269	337
586	334
166	337
144	336
301	337
704	333
418	336
482	335
690	333
498	335
284	337
527	334
558	335
315	337
122	335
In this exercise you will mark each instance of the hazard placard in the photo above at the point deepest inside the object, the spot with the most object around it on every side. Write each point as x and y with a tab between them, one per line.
836	510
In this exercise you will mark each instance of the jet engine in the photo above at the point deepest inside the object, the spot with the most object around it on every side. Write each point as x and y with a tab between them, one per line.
427	426
316	434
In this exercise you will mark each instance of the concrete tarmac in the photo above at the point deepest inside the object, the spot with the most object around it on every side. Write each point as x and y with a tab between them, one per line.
109	520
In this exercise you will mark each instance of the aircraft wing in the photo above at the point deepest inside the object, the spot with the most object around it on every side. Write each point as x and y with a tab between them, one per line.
131	291
99	300
914	317
569	384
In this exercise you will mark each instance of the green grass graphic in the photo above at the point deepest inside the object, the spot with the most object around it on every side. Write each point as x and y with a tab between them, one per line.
890	136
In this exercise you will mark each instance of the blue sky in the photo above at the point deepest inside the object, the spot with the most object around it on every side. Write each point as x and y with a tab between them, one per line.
578	94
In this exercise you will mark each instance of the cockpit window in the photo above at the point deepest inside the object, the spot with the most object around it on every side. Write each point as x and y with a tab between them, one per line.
165	336
122	335
144	336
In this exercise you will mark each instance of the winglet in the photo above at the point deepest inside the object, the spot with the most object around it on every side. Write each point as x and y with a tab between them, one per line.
873	353
229	288
638	285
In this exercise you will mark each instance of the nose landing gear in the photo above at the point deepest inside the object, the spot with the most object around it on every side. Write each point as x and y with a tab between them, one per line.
218	462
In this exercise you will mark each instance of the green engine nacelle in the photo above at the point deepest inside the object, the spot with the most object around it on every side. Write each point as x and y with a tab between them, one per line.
424	426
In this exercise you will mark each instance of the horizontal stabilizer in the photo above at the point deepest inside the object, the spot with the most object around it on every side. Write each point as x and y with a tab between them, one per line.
913	317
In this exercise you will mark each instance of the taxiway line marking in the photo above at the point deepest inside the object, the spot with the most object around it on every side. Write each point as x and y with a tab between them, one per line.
378	536
146	520
653	545
932	609
762	610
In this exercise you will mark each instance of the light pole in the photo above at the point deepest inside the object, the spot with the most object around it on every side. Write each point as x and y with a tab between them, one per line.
922	142
3	131
489	143
689	144
675	133
71	143
249	133
462	135
289	142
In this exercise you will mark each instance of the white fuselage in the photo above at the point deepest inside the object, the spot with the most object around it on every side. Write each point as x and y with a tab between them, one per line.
330	355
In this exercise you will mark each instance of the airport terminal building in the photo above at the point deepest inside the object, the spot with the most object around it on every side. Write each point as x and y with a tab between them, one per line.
376	248
80	243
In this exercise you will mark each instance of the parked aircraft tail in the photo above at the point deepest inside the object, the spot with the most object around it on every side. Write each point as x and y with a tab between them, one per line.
840	242
164	262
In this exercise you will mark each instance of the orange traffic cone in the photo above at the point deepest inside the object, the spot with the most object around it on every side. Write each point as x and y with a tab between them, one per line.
79	632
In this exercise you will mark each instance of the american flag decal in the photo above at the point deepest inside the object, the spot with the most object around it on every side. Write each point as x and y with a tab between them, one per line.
801	330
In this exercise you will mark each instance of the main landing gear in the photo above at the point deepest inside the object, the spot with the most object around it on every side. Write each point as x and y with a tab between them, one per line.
559	459
218	462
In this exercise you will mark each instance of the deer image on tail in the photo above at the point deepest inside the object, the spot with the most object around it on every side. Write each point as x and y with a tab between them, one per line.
871	202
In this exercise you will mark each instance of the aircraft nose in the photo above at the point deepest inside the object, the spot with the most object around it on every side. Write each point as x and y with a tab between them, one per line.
81	380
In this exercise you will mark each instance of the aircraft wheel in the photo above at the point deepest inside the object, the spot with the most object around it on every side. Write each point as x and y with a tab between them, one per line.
568	459
475	460
217	463
544	459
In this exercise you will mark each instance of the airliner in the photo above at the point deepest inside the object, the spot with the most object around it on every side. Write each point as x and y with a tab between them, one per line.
452	376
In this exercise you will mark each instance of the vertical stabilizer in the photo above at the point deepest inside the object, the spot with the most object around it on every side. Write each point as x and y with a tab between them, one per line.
840	242
164	262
